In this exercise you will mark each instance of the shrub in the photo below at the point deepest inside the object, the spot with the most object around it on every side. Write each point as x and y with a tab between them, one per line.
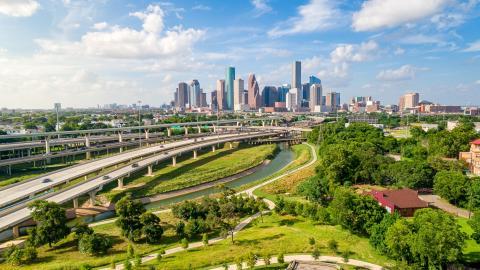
184	243
332	245
94	244
281	258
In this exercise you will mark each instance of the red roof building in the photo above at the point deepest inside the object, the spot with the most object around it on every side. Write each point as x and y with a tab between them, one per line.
472	158
404	201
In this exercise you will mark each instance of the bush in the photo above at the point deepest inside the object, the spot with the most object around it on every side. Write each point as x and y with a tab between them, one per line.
130	251
94	244
184	243
127	265
332	245
138	260
16	255
281	258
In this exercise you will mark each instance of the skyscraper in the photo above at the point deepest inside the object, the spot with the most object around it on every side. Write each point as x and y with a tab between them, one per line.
305	94
297	75
332	100
221	95
408	101
229	78
238	89
269	96
253	92
182	98
315	96
195	94
282	92
314	80
213	100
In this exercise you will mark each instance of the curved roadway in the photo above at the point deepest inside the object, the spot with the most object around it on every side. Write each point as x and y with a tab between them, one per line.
21	190
22	213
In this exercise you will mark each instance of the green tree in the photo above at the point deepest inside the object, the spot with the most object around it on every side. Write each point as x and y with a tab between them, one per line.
281	258
152	229
267	258
130	251
474	222
51	222
450	185
94	244
378	232
311	241
129	212
438	239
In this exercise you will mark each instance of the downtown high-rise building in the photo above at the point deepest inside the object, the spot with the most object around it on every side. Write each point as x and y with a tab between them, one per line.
213	100
332	101
269	96
314	80
182	95
315	101
238	93
195	94
254	98
221	95
408	101
297	75
229	79
282	92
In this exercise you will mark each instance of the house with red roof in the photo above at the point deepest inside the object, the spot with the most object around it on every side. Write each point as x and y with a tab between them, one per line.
403	201
473	157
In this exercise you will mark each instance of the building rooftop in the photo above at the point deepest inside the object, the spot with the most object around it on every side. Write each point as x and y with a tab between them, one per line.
402	198
476	142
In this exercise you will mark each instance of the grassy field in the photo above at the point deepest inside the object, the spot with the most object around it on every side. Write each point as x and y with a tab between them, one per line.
64	254
274	235
209	166
471	252
287	186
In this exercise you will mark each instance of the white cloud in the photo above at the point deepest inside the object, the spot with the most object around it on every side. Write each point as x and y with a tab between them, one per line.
100	26
152	19
448	20
261	7
376	14
201	7
420	39
18	8
477	82
125	42
354	52
399	51
317	15
405	72
473	47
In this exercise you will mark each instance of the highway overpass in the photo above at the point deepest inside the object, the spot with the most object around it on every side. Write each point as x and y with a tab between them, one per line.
13	216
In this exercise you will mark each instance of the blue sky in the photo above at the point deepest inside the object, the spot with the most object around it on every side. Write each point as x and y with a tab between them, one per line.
84	53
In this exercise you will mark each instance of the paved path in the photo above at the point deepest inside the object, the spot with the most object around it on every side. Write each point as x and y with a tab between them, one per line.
438	202
309	258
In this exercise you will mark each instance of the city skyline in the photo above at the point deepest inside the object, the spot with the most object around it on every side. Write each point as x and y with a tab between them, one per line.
94	52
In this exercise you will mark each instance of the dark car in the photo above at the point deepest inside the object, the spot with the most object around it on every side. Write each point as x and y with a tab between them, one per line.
134	165
106	177
46	180
166	153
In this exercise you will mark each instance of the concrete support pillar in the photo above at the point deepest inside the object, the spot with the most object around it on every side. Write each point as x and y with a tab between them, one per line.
271	123
92	194
150	170
169	132
47	145
120	137
87	145
194	154
199	129
263	123
186	130
16	232
75	203
85	178
9	170
238	124
174	161
214	128
213	148
120	182
230	145
147	135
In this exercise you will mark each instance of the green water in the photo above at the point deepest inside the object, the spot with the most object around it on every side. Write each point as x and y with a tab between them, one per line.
282	159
